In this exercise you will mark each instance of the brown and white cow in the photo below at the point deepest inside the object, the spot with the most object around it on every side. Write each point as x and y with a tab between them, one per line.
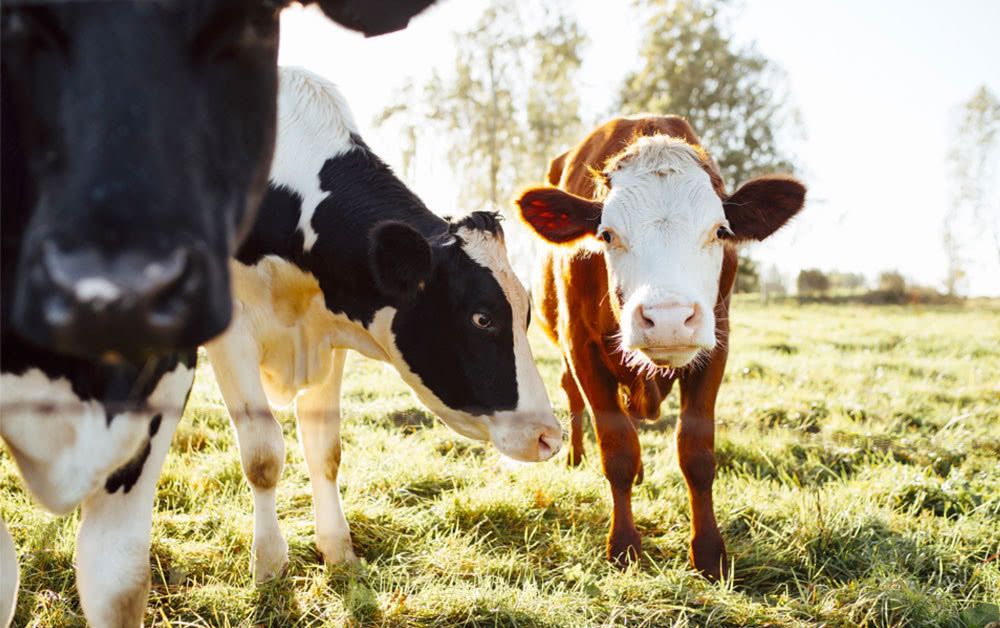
638	297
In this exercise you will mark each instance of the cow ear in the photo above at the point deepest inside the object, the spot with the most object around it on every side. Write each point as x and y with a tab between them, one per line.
763	205
372	17
558	216
400	259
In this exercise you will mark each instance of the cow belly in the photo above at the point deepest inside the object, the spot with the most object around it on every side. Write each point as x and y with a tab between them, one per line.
65	447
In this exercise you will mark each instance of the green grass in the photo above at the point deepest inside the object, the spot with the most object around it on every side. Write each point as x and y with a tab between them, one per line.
859	484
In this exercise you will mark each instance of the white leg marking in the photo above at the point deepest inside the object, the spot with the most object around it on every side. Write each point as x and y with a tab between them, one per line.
112	551
9	576
318	414
236	362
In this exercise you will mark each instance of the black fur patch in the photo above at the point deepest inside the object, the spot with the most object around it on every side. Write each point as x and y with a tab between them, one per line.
468	368
128	474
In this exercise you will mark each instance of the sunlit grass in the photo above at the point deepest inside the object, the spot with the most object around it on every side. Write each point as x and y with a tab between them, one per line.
859	484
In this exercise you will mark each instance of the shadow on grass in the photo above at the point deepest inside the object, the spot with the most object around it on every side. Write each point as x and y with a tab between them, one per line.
770	561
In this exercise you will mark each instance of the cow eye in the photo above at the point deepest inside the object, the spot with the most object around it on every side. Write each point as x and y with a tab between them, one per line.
724	232
482	321
607	236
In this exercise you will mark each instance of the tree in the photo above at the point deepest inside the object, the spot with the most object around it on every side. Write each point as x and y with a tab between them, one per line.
811	282
847	281
976	157
553	102
500	130
747	276
732	96
772	285
891	282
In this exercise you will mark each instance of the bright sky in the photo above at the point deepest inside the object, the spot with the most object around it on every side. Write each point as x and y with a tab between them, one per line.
878	86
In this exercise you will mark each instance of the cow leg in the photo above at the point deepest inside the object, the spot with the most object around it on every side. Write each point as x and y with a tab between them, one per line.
576	407
112	551
696	455
9	576
618	441
235	361
318	414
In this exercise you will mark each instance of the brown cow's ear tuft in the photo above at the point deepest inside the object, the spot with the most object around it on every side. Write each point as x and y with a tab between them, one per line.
763	205
558	216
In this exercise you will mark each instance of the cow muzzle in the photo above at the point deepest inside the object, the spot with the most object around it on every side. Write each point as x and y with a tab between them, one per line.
528	437
671	333
126	307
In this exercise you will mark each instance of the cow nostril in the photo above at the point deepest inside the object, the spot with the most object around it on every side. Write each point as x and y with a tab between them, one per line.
172	287
645	321
692	321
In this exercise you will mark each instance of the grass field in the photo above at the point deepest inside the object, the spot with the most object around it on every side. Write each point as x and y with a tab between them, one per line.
858	484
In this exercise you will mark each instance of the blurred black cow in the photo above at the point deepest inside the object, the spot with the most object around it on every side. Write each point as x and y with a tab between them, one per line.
140	139
137	139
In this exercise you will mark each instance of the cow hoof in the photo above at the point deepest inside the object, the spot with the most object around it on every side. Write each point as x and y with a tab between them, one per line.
269	560
337	551
624	548
708	556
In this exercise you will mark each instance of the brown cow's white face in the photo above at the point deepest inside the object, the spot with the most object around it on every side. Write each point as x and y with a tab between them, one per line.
663	229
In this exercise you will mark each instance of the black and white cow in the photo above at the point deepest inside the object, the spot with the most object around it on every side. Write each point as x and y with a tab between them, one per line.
144	135
344	256
137	138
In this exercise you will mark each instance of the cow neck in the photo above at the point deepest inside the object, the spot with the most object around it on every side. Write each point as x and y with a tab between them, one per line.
360	192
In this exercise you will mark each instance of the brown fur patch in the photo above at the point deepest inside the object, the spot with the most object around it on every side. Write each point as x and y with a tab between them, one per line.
129	608
333	462
264	470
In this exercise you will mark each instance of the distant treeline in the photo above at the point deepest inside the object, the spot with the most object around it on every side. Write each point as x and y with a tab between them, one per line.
816	286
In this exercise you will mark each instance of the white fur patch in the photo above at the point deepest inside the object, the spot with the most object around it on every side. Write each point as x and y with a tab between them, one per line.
96	289
314	124
65	448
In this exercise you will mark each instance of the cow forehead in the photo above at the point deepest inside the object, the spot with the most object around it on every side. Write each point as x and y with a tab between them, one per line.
650	202
488	250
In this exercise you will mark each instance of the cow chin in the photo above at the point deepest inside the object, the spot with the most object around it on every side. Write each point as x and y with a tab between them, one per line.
670	357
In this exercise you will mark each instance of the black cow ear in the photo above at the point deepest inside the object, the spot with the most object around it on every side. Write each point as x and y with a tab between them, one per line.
400	259
762	205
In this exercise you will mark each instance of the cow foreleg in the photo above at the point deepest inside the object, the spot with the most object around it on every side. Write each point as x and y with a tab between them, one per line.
112	552
576	407
236	362
618	441
318	414
9	576
696	455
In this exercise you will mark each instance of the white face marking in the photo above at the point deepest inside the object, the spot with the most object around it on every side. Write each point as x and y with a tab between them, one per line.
516	433
314	125
96	289
664	259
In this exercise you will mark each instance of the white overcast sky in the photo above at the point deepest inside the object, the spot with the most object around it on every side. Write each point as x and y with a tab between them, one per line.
878	86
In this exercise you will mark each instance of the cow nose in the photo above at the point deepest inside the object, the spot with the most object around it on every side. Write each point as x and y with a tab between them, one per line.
669	323
549	442
86	303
